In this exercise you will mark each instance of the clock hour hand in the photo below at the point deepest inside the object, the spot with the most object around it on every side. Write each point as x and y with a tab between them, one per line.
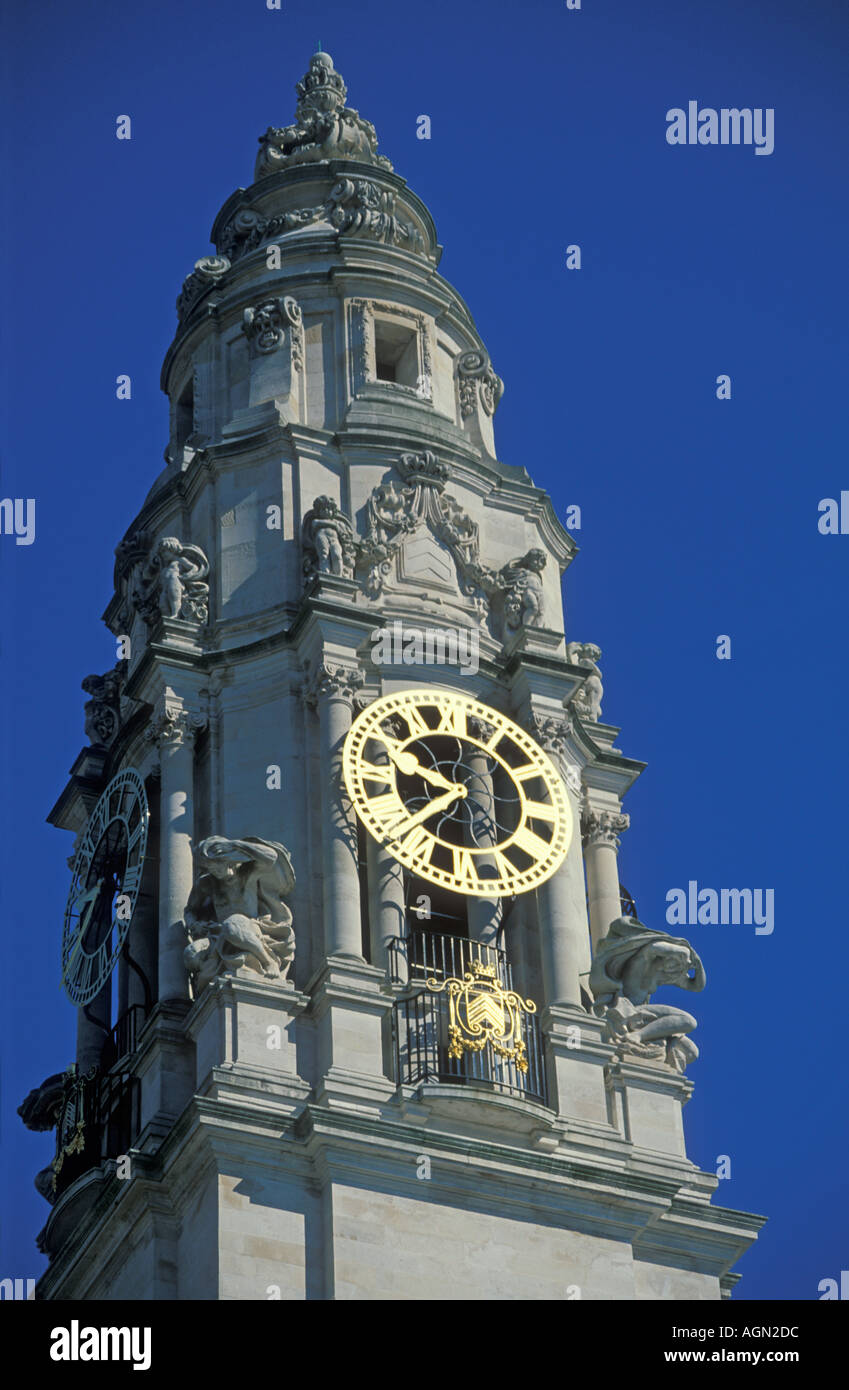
439	803
409	764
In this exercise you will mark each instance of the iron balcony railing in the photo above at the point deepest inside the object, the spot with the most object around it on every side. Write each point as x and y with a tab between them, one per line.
100	1118
422	1024
123	1040
438	957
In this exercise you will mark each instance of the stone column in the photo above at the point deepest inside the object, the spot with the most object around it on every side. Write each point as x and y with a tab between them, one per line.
332	690
93	1029
388	924
563	928
483	914
173	730
601	830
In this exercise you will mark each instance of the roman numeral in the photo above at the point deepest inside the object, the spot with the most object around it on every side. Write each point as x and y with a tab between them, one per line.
521	774
540	810
532	844
415	723
136	834
452	721
413	841
130	880
388	808
371	772
464	867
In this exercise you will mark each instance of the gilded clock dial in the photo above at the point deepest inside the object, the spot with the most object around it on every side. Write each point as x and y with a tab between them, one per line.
457	792
105	883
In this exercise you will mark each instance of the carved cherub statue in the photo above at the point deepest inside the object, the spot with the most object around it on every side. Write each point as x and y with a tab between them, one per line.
630	963
521	579
587	700
172	582
327	539
236	915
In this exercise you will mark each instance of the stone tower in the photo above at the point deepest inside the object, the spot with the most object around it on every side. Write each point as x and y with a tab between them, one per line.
271	1097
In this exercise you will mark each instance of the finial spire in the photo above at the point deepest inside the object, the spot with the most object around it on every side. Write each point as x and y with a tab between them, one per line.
325	127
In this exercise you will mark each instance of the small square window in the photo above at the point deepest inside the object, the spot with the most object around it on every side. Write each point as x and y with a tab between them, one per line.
396	352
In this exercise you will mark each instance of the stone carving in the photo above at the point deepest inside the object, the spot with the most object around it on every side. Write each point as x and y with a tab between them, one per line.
353	207
325	128
603	827
172	725
265	326
360	206
520	579
327	540
103	710
392	514
208	271
476	380
338	682
236	916
587	700
171	583
43	1109
630	963
551	731
515	592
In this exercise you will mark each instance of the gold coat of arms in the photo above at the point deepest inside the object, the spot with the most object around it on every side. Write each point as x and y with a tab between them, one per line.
481	1011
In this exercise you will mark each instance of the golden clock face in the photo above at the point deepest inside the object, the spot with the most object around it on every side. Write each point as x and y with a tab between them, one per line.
457	793
105	883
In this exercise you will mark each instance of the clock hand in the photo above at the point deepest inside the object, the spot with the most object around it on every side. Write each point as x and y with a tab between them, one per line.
89	897
409	764
439	803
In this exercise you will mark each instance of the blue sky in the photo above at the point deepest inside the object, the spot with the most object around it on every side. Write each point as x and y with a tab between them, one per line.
699	516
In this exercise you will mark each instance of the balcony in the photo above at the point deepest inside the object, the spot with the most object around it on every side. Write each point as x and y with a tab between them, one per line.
424	1049
99	1119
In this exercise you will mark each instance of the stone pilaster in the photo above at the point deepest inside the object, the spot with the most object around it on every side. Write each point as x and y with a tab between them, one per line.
331	691
563	929
173	730
388	924
601	830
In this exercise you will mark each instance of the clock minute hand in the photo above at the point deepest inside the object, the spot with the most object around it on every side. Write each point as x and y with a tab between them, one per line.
439	803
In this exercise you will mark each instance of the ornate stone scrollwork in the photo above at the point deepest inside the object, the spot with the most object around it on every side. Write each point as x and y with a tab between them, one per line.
236	917
631	962
359	206
172	725
103	710
586	701
325	128
552	733
328	540
208	271
476	380
335	681
603	827
393	513
265	327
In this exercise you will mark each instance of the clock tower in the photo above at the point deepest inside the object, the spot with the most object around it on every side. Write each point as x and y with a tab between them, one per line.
364	1011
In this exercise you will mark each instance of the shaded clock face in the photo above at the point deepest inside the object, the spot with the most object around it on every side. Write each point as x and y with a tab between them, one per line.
458	793
104	887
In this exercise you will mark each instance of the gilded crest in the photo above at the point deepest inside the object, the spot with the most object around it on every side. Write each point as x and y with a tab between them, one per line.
482	1011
